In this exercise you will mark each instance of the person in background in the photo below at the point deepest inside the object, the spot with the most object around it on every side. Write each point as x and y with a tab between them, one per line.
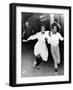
27	30
57	23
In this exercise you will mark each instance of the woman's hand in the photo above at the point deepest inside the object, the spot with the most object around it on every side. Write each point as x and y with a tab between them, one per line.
46	39
50	33
24	40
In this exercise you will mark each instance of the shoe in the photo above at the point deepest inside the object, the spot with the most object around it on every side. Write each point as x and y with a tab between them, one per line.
56	70
58	61
34	64
38	67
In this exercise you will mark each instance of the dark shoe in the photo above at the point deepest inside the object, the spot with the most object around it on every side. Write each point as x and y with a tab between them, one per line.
56	70
38	67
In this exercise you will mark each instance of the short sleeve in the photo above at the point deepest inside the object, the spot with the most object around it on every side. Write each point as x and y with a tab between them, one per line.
60	37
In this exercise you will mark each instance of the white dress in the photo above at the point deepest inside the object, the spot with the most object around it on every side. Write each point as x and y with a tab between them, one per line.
40	47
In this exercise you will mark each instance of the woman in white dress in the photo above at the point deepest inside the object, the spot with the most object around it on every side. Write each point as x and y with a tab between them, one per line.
40	48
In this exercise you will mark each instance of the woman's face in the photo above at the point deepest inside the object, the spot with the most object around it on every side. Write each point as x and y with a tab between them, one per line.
27	24
55	29
42	29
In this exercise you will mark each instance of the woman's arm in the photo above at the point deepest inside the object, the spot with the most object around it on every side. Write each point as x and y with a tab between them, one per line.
59	25
24	40
31	38
60	37
48	36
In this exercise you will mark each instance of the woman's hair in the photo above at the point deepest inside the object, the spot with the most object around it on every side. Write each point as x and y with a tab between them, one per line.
54	24
43	26
56	20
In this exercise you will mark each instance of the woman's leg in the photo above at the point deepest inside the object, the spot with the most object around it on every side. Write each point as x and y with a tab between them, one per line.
38	60
54	57
58	54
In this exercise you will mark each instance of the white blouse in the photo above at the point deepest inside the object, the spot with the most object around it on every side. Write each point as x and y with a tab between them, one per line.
54	39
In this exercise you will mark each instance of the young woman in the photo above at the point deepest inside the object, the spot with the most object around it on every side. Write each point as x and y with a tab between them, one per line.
40	48
54	41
